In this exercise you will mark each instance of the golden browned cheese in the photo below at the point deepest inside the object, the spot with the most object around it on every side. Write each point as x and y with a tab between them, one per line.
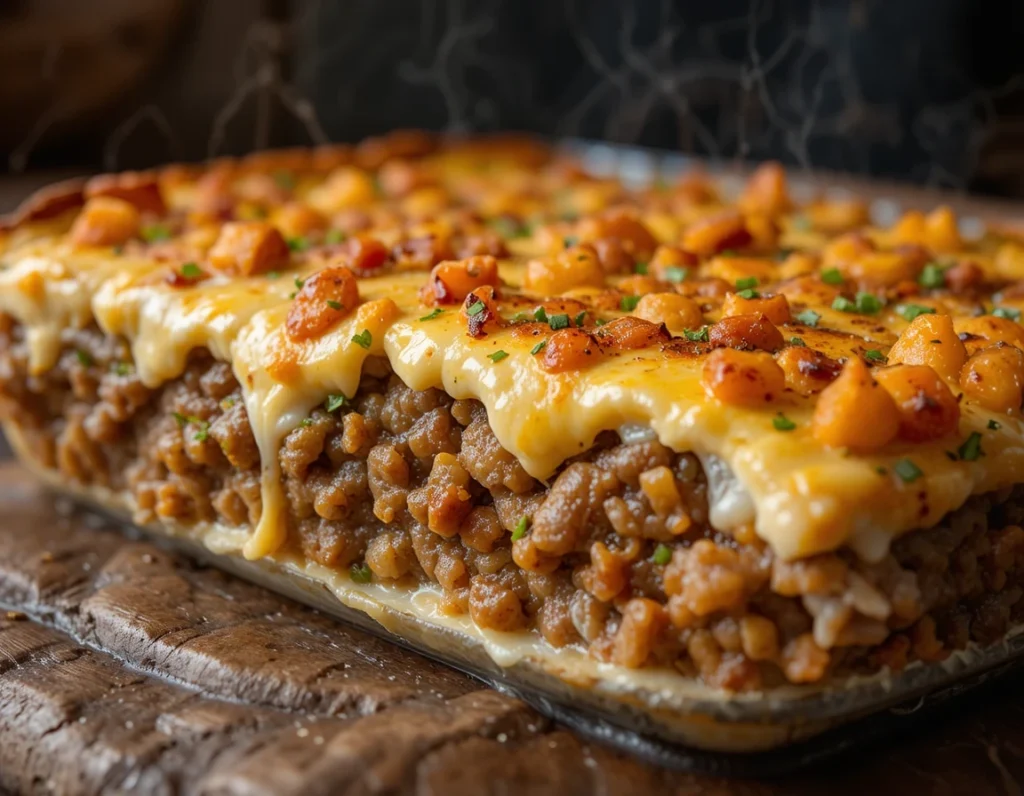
829	366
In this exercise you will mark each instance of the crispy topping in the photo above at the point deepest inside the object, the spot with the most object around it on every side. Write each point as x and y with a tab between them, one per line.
249	248
322	300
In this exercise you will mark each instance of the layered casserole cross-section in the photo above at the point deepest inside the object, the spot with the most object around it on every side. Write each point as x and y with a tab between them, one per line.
732	440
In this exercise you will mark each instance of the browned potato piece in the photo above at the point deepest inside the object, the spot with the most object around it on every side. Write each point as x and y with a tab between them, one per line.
570	349
807	371
105	221
743	378
927	408
675	311
325	298
994	378
746	332
774	308
249	248
577	266
715	234
855	411
452	280
930	340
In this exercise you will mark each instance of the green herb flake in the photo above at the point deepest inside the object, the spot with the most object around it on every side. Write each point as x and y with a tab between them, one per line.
155	232
334	402
783	423
363	339
298	244
334	305
273	274
971	449
874	355
746	283
122	368
696	335
832	276
560	321
299	283
306	422
911	311
798	342
628	303
360	573
84	358
475	308
227	403
203	433
539	347
497	356
676	274
191	271
521	527
907	471
641	268
432	314
570	241
808	318
1009	313
994	425
868	303
881	470
334	237
802	223
748	294
662	555
284	179
932	275
540	315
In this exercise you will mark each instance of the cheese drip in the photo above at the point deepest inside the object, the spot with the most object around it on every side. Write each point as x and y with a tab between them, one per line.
804	498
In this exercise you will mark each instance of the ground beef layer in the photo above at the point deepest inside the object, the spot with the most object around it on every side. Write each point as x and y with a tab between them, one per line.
617	557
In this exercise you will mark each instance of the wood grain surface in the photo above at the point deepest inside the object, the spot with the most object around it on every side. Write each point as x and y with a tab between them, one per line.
126	668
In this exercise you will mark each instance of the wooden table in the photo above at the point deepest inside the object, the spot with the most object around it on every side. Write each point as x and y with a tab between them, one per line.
124	667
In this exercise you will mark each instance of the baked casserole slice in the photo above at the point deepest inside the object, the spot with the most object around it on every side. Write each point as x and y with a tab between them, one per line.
641	433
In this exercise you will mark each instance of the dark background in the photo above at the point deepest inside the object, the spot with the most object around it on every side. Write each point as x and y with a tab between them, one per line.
926	91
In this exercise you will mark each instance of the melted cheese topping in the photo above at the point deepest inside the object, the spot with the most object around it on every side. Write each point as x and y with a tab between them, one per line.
803	498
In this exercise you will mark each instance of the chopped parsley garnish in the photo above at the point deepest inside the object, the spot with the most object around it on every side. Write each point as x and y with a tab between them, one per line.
748	294
155	232
676	273
560	321
334	236
520	530
507	227
84	358
746	283
432	314
662	555
864	303
971	449
581	318
299	283
540	315
363	339
1007	312
122	368
306	422
203	426
298	244
932	275
783	423
360	573
497	356
334	305
227	403
475	308
284	179
334	402
994	425
570	241
797	341
539	347
628	303
911	311
907	470
191	271
808	318
874	355
832	276
696	335
641	268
